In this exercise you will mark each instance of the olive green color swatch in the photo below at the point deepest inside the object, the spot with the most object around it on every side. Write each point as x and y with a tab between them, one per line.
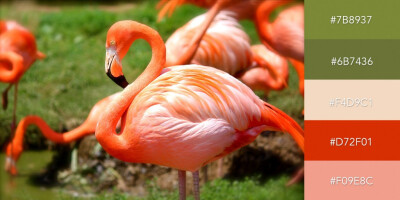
385	55
384	24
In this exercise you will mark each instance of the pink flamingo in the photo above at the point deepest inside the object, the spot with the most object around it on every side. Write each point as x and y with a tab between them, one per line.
226	46
182	117
246	10
15	147
285	35
191	48
17	53
196	36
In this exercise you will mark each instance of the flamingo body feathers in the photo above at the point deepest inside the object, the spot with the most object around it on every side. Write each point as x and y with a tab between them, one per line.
190	110
224	46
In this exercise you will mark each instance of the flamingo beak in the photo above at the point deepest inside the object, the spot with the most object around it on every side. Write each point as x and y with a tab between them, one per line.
10	166
114	69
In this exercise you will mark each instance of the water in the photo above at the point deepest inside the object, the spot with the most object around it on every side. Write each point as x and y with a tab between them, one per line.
20	187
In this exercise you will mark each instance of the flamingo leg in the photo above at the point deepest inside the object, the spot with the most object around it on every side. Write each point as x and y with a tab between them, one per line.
5	96
14	117
182	184
196	186
297	177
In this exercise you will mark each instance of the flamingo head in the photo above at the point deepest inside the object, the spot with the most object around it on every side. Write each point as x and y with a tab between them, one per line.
117	45
12	155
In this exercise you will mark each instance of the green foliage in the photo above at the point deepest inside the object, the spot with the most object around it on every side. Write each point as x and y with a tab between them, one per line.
252	189
249	189
85	22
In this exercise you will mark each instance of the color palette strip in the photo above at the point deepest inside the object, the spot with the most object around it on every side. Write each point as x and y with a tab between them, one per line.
352	116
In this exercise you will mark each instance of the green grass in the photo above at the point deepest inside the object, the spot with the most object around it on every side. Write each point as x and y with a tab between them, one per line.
249	189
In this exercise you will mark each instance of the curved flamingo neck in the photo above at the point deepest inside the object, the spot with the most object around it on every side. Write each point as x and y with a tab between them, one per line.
275	84
106	134
67	137
299	67
262	18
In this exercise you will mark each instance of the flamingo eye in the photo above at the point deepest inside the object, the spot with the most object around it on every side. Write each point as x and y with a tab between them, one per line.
112	42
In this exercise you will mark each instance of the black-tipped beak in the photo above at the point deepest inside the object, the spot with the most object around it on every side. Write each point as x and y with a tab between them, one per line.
117	77
120	80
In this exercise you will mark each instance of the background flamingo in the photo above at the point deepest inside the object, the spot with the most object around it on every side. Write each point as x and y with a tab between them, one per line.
285	34
216	7
260	77
15	147
291	20
17	53
197	35
226	46
183	116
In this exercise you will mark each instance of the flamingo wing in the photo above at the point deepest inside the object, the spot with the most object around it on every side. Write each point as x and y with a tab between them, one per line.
190	116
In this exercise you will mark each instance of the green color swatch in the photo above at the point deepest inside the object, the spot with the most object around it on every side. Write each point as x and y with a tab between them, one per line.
384	54
384	24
